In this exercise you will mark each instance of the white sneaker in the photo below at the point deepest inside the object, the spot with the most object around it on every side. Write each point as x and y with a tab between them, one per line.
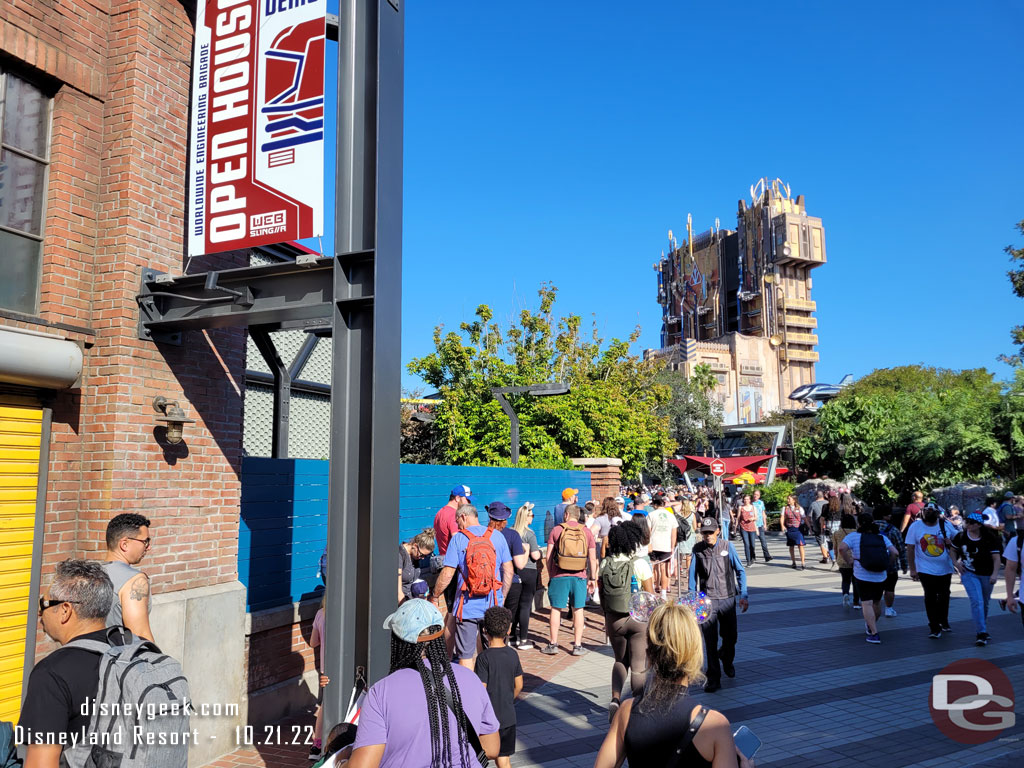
890	612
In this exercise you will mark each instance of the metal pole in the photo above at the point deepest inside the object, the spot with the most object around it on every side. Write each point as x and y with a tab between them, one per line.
282	391
363	494
507	408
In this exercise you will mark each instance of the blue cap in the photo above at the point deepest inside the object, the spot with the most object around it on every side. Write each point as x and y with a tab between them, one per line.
975	517
419	588
496	510
462	490
411	618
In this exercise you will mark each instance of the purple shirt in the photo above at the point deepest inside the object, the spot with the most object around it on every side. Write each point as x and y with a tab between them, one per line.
395	714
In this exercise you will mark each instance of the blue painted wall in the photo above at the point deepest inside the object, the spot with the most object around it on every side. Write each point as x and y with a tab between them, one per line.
283	526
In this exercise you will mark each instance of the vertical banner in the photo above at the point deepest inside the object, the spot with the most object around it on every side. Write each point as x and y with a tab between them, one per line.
257	151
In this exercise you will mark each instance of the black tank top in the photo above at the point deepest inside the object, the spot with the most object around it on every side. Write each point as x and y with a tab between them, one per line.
652	737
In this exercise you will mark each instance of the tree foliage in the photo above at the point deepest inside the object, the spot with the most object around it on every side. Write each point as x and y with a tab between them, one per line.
902	429
694	417
1016	276
613	408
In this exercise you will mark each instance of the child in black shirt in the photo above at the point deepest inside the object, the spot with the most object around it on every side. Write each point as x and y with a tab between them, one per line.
499	669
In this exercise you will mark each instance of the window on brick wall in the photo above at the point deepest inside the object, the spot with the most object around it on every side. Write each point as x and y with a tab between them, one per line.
24	157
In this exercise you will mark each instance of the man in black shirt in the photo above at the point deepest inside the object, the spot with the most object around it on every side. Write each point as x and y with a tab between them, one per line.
75	606
975	554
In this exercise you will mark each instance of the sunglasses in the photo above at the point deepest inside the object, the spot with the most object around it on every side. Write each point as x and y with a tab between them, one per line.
44	603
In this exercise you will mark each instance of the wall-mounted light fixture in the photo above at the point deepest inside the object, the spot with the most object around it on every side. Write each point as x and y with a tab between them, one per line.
173	417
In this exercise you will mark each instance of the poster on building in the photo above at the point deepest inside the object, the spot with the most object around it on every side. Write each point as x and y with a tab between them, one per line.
257	146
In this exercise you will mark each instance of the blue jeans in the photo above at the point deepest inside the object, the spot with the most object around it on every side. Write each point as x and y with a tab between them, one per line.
749	537
979	590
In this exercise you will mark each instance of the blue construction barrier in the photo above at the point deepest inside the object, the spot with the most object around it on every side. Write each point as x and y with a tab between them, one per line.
283	524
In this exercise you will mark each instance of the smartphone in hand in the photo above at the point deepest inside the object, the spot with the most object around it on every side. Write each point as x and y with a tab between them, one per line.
746	741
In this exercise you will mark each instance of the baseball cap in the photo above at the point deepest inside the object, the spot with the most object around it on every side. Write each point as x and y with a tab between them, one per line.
1008	495
975	517
708	525
419	588
568	493
620	500
411	618
645	497
496	510
462	490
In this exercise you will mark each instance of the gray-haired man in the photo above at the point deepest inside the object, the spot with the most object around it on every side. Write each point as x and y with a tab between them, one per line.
74	607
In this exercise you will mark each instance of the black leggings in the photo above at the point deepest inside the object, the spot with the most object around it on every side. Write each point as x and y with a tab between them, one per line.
520	603
629	644
847	574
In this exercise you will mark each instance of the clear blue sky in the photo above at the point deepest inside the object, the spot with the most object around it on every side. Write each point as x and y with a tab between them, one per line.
561	141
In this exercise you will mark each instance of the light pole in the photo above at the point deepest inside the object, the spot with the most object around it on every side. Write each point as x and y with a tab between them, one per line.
537	390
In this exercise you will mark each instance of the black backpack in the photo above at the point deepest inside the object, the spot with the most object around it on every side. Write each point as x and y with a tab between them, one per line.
874	556
684	527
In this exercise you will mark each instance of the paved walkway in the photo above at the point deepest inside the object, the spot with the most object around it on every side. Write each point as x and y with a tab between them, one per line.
807	684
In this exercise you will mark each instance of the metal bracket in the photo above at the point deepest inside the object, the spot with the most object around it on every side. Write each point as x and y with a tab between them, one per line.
148	310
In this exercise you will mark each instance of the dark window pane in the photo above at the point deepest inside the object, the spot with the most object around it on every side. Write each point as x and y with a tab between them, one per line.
21	193
25	116
20	267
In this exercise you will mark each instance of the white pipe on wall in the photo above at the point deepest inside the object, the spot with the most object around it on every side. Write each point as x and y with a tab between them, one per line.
33	359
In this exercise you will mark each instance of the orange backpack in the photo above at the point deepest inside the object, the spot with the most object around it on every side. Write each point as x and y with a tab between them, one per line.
478	579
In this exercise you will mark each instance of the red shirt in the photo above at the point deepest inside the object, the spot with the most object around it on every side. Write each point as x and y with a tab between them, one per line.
748	519
914	510
556	533
445	526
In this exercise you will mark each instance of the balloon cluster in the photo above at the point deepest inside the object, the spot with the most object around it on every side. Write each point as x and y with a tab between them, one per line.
642	605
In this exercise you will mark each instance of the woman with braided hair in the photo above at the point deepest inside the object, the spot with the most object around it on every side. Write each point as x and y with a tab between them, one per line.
411	706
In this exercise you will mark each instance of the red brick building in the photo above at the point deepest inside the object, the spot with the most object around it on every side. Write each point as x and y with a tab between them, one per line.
92	183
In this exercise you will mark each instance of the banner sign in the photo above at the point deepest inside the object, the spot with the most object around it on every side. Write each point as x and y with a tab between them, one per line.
257	154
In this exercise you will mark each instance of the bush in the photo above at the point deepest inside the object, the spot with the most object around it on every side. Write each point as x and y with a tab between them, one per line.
774	495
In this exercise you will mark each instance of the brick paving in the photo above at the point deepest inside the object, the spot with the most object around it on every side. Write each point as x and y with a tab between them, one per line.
807	684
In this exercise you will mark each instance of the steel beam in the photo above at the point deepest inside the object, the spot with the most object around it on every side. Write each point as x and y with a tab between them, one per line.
366	365
274	296
282	381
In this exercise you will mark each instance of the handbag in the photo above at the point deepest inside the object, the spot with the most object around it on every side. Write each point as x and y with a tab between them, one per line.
691	731
471	735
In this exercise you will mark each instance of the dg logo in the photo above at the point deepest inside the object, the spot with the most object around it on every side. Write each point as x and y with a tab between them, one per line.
972	701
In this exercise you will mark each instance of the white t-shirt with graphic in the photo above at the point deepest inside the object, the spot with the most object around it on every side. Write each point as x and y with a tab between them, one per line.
662	521
928	541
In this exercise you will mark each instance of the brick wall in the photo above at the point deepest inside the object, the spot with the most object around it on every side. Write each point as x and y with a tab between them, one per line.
119	74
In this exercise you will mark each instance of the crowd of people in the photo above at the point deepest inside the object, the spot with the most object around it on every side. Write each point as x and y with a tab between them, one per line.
464	615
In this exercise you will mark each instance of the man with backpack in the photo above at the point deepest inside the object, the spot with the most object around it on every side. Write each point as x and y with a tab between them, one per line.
882	515
872	555
928	545
479	559
572	563
66	718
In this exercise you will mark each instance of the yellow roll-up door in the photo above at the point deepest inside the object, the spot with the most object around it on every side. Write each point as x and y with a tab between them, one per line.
21	429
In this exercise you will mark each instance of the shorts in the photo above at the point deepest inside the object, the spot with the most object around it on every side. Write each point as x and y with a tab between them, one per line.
869	591
450	593
561	587
794	538
819	539
508	741
890	581
660	557
466	633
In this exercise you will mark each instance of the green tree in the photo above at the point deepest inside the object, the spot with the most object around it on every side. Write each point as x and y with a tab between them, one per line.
612	409
694	416
1016	276
902	429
